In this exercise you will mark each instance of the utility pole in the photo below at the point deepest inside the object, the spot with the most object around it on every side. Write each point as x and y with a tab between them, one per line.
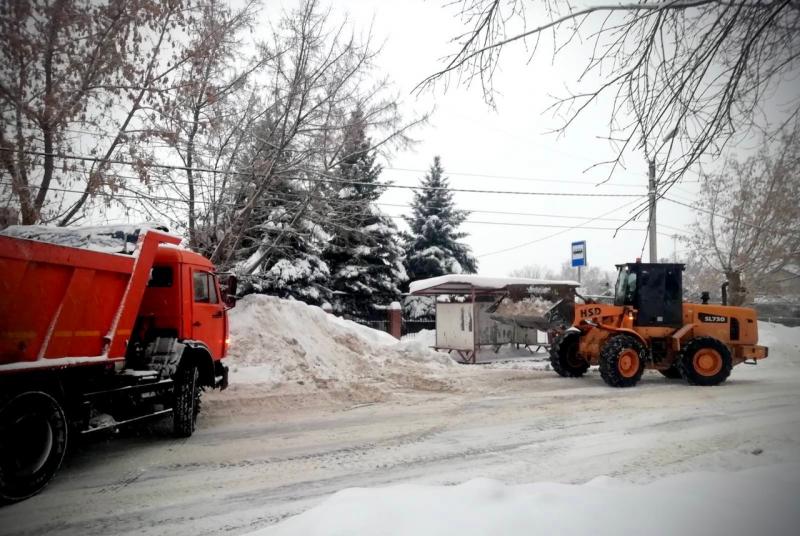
675	248
651	190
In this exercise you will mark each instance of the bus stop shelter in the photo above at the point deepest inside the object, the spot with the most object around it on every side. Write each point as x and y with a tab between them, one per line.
466	304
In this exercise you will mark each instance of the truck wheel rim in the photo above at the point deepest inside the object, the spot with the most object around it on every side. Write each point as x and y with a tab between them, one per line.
628	363
707	362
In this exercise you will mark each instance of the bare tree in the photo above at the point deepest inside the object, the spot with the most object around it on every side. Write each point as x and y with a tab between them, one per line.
213	87
692	72
74	74
309	93
749	224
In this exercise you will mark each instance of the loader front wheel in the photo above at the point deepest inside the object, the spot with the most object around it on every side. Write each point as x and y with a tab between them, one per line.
564	357
705	361
33	440
187	399
622	361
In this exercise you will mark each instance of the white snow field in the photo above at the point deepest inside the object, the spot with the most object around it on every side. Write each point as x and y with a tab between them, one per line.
692	503
437	448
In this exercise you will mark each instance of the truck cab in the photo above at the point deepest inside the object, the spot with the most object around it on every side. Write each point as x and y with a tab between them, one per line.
183	300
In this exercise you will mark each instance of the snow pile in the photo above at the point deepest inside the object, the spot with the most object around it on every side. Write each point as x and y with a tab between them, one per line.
533	306
783	342
103	238
461	281
279	341
757	501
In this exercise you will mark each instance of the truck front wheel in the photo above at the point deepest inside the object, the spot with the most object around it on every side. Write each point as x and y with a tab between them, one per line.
187	399
33	440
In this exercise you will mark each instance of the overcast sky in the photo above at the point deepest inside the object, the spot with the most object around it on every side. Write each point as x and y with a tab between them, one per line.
486	149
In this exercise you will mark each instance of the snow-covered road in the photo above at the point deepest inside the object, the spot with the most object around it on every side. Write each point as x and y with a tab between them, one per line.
256	461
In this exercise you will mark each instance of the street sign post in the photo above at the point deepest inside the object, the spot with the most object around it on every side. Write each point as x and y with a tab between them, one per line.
579	256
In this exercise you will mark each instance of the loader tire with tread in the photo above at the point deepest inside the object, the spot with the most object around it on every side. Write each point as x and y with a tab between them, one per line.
187	400
622	361
564	357
705	361
33	440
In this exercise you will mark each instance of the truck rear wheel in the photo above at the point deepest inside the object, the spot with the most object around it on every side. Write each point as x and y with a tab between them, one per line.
705	361
33	440
565	359
622	361
187	399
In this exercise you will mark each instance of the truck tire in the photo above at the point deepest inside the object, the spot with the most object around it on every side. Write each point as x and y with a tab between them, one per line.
672	373
622	361
187	399
33	441
705	361
564	357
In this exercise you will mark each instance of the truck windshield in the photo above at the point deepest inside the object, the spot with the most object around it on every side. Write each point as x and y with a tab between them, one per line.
625	288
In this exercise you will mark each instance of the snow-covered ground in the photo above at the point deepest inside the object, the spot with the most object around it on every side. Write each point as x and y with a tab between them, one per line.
692	503
559	453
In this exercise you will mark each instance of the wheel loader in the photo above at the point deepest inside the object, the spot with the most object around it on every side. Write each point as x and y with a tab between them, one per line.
650	326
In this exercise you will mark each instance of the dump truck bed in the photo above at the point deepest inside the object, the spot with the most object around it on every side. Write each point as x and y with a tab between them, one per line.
64	306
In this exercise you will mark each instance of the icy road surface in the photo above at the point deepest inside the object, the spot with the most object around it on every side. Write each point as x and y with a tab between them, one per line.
257	459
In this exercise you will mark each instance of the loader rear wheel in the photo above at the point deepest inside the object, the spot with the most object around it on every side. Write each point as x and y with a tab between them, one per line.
33	440
187	400
565	359
705	361
672	373
622	361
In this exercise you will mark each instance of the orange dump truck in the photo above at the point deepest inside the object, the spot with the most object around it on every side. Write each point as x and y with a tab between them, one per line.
92	340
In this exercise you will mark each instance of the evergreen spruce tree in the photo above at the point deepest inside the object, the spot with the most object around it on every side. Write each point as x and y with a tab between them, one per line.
365	255
433	246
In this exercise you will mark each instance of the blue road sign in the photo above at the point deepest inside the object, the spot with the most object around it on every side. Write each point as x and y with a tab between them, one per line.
579	253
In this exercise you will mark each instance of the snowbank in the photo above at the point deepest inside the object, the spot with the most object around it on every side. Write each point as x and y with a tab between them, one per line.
783	342
279	341
757	501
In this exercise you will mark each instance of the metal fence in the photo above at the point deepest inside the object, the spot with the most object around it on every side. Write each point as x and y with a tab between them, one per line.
380	325
411	327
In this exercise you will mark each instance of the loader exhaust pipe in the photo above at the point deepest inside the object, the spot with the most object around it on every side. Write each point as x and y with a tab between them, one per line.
724	291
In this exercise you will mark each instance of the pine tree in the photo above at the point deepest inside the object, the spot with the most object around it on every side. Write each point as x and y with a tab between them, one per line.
365	255
433	246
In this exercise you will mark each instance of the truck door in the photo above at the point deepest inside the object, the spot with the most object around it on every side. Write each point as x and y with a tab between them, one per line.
208	312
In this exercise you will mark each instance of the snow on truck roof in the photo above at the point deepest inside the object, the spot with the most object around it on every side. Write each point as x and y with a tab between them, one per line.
466	283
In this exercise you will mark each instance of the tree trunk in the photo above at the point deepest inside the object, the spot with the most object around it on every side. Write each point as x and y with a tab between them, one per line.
737	294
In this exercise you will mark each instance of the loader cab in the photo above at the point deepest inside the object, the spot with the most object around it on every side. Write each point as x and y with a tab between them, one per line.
655	290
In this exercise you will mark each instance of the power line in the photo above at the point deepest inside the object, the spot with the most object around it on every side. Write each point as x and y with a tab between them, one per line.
199	200
506	213
327	178
416	170
400	217
721	216
515	178
541	239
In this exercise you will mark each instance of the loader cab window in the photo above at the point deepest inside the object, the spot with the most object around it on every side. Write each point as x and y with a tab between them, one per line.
205	291
625	291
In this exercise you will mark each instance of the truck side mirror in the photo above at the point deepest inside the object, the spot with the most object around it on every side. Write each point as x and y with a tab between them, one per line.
228	284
